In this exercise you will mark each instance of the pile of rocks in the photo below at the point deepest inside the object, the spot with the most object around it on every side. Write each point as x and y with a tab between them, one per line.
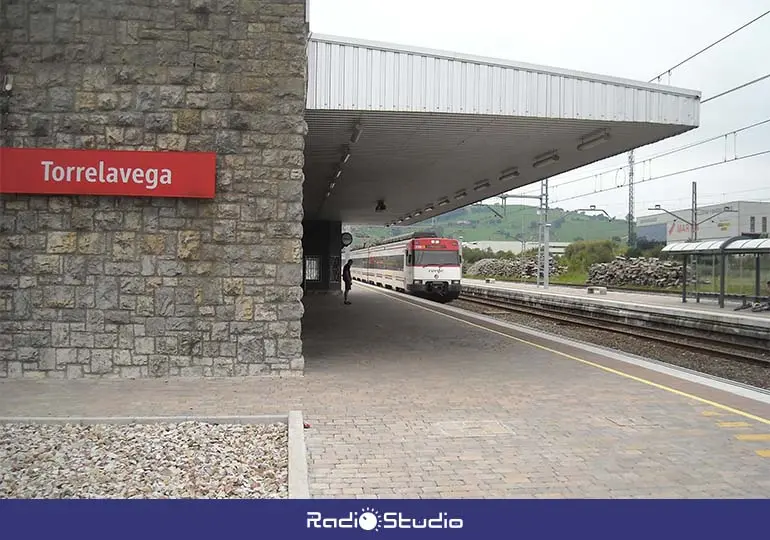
520	267
640	272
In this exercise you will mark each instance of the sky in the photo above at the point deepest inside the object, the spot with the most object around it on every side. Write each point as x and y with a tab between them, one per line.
623	38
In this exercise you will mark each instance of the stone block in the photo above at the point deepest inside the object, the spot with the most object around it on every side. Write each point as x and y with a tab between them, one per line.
95	78
250	349
172	141
60	296
189	245
289	348
106	292
61	242
264	312
154	244
101	361
171	96
232	286
66	357
188	121
124	246
244	308
91	243
107	101
144	345
159	122
82	340
158	365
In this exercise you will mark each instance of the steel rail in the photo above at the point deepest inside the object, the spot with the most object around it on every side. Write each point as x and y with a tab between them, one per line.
700	341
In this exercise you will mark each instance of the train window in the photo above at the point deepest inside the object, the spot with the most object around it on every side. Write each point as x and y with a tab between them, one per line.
443	257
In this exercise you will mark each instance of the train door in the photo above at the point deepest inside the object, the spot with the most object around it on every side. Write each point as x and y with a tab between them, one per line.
408	266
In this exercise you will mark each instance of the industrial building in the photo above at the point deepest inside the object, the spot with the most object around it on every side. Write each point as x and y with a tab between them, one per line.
716	221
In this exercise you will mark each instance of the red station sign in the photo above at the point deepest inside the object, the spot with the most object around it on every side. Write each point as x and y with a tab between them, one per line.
45	171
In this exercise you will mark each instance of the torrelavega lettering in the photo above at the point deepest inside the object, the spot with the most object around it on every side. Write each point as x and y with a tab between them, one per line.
102	174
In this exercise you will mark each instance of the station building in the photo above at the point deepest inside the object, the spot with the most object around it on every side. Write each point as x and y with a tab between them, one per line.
203	154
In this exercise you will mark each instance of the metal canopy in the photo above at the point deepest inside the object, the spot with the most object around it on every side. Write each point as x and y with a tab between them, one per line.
690	248
737	245
426	132
752	245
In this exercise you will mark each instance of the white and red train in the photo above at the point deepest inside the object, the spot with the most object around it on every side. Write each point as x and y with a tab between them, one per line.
417	263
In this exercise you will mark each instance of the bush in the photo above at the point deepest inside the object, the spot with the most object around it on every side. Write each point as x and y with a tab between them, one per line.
579	256
471	255
645	248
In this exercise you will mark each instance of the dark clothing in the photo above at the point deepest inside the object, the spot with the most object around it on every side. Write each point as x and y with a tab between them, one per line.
348	281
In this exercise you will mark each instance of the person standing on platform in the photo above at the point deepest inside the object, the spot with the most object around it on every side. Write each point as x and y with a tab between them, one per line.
347	279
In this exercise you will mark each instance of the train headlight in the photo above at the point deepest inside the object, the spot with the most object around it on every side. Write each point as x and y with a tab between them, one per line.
418	282
455	281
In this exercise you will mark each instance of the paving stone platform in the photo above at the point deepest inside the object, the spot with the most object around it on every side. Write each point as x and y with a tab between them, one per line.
406	402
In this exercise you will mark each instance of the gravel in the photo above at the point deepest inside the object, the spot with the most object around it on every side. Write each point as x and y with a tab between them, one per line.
727	368
118	461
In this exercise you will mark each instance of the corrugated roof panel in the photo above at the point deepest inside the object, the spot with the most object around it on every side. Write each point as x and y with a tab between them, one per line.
714	246
754	244
348	75
710	246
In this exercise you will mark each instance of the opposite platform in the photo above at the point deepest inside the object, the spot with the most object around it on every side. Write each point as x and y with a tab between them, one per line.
634	309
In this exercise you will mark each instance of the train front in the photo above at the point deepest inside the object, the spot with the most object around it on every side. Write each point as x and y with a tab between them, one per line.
437	268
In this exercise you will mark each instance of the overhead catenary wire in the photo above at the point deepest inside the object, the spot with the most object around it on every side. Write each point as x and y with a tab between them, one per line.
708	100
731	90
665	153
668	175
713	44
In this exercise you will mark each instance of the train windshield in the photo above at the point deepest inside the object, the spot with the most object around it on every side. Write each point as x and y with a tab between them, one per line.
436	257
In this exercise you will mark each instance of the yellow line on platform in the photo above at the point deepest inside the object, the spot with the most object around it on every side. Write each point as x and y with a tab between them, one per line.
763	453
732	424
753	437
590	363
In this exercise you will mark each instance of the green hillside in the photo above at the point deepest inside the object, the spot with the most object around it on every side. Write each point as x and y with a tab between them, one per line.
519	222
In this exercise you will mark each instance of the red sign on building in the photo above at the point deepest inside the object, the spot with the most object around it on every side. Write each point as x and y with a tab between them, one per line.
44	171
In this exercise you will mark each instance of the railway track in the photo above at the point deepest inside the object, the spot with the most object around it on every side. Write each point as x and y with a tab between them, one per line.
701	342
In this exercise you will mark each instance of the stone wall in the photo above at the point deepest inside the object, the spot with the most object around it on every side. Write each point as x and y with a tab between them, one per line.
137	287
